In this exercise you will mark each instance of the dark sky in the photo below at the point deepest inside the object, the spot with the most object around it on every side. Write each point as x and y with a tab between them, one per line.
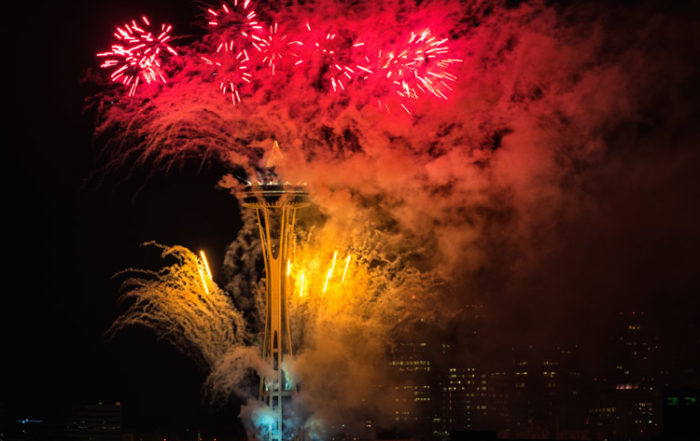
72	226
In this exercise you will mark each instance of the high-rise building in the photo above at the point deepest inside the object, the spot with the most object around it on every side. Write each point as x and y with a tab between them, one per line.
681	411
453	395
494	391
414	387
628	396
636	376
94	421
542	392
547	399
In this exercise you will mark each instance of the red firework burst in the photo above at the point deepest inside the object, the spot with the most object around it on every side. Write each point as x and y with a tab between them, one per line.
342	73
335	55
276	47
239	19
324	43
138	55
232	68
418	68
422	67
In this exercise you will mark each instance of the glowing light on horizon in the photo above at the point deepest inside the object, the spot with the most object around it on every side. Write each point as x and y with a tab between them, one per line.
138	56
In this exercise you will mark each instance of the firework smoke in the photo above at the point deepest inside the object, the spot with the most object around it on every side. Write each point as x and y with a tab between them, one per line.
360	289
184	306
554	122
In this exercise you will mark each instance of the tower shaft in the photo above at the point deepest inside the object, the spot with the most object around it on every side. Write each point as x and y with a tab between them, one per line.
276	226
276	213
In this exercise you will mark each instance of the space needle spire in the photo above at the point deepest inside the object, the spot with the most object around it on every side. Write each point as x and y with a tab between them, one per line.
276	204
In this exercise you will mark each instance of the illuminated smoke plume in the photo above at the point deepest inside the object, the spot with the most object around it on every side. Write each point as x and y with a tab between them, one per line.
183	305
359	289
351	286
506	193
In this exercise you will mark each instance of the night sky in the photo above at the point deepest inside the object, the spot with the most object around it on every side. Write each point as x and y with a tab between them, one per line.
73	224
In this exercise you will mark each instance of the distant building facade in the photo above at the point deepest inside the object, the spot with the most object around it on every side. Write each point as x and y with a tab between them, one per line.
94	421
84	422
540	393
627	398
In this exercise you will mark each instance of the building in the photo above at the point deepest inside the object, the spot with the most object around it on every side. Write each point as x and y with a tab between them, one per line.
94	421
681	415
627	399
540	393
414	387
